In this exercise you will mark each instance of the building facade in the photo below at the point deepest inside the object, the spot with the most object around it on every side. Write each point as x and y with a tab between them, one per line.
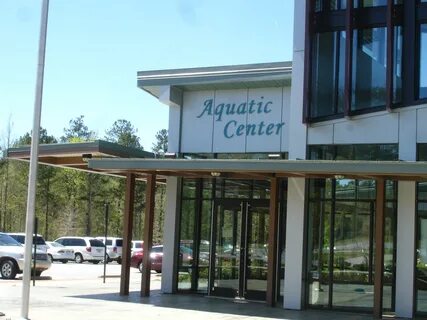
358	93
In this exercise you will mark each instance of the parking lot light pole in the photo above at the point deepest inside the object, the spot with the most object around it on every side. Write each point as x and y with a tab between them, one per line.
106	206
32	177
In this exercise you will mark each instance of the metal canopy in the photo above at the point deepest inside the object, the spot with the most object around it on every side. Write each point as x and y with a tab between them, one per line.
264	169
76	155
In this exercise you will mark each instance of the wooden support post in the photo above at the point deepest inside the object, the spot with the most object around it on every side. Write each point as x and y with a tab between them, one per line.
150	193
127	233
273	243
379	249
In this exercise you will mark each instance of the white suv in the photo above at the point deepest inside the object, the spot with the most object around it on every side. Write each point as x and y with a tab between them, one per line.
85	248
114	248
12	258
38	240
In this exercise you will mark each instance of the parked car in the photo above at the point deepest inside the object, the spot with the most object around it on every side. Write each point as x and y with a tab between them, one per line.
38	240
156	257
136	245
114	248
85	248
12	258
58	252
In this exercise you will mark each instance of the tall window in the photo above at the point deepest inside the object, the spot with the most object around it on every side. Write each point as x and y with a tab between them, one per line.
362	56
421	239
423	61
328	73
369	68
341	233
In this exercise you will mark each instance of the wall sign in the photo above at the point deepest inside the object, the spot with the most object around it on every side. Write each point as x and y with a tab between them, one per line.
245	120
224	112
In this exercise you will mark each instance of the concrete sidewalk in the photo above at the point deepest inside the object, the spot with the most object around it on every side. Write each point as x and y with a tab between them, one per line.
57	303
70	292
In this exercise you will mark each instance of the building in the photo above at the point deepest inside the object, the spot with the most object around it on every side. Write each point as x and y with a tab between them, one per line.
359	93
298	184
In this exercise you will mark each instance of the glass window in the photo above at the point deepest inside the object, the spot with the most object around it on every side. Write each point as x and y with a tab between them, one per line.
421	267
423	61
369	68
188	212
328	74
369	3
422	152
397	65
189	188
325	5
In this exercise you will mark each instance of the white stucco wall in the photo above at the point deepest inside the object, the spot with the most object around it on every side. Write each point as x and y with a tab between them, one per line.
405	126
211	120
293	290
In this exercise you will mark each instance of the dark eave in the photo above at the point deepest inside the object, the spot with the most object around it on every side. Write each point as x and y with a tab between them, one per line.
76	155
263	169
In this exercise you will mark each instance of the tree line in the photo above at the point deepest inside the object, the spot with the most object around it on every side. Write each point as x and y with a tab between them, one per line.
71	202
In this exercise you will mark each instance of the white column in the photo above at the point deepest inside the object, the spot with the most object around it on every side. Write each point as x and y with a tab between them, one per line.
170	235
405	250
294	244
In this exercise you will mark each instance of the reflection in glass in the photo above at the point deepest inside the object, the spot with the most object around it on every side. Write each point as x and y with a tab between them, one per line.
423	62
204	247
422	152
189	188
389	249
340	259
397	65
186	234
421	268
324	5
352	260
227	248
257	259
319	252
328	74
369	68
369	3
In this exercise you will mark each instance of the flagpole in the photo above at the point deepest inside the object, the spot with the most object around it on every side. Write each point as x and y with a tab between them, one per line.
32	177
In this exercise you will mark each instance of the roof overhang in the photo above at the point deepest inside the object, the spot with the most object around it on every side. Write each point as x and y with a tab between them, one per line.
76	155
260	75
264	169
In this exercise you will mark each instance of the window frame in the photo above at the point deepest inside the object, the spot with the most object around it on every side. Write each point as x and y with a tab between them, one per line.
408	15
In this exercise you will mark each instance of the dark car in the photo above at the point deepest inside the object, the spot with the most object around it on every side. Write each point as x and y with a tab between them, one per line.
156	257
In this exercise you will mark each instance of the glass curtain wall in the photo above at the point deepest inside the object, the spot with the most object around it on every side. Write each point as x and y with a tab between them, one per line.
423	61
351	78
341	230
421	240
195	224
212	210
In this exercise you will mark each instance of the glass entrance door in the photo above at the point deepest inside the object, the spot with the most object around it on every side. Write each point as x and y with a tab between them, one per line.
239	264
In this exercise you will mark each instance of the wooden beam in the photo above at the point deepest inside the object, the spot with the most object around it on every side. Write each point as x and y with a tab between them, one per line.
379	249
273	242
150	193
127	233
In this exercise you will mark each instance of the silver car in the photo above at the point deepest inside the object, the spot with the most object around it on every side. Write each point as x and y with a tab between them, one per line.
12	258
58	252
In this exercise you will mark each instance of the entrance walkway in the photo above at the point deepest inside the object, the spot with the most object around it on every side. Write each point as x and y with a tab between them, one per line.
73	291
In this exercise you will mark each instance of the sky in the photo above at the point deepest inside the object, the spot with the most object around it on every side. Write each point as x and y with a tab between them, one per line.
95	48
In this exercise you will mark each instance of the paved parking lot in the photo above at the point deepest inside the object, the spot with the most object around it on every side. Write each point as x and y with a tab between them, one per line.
74	291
